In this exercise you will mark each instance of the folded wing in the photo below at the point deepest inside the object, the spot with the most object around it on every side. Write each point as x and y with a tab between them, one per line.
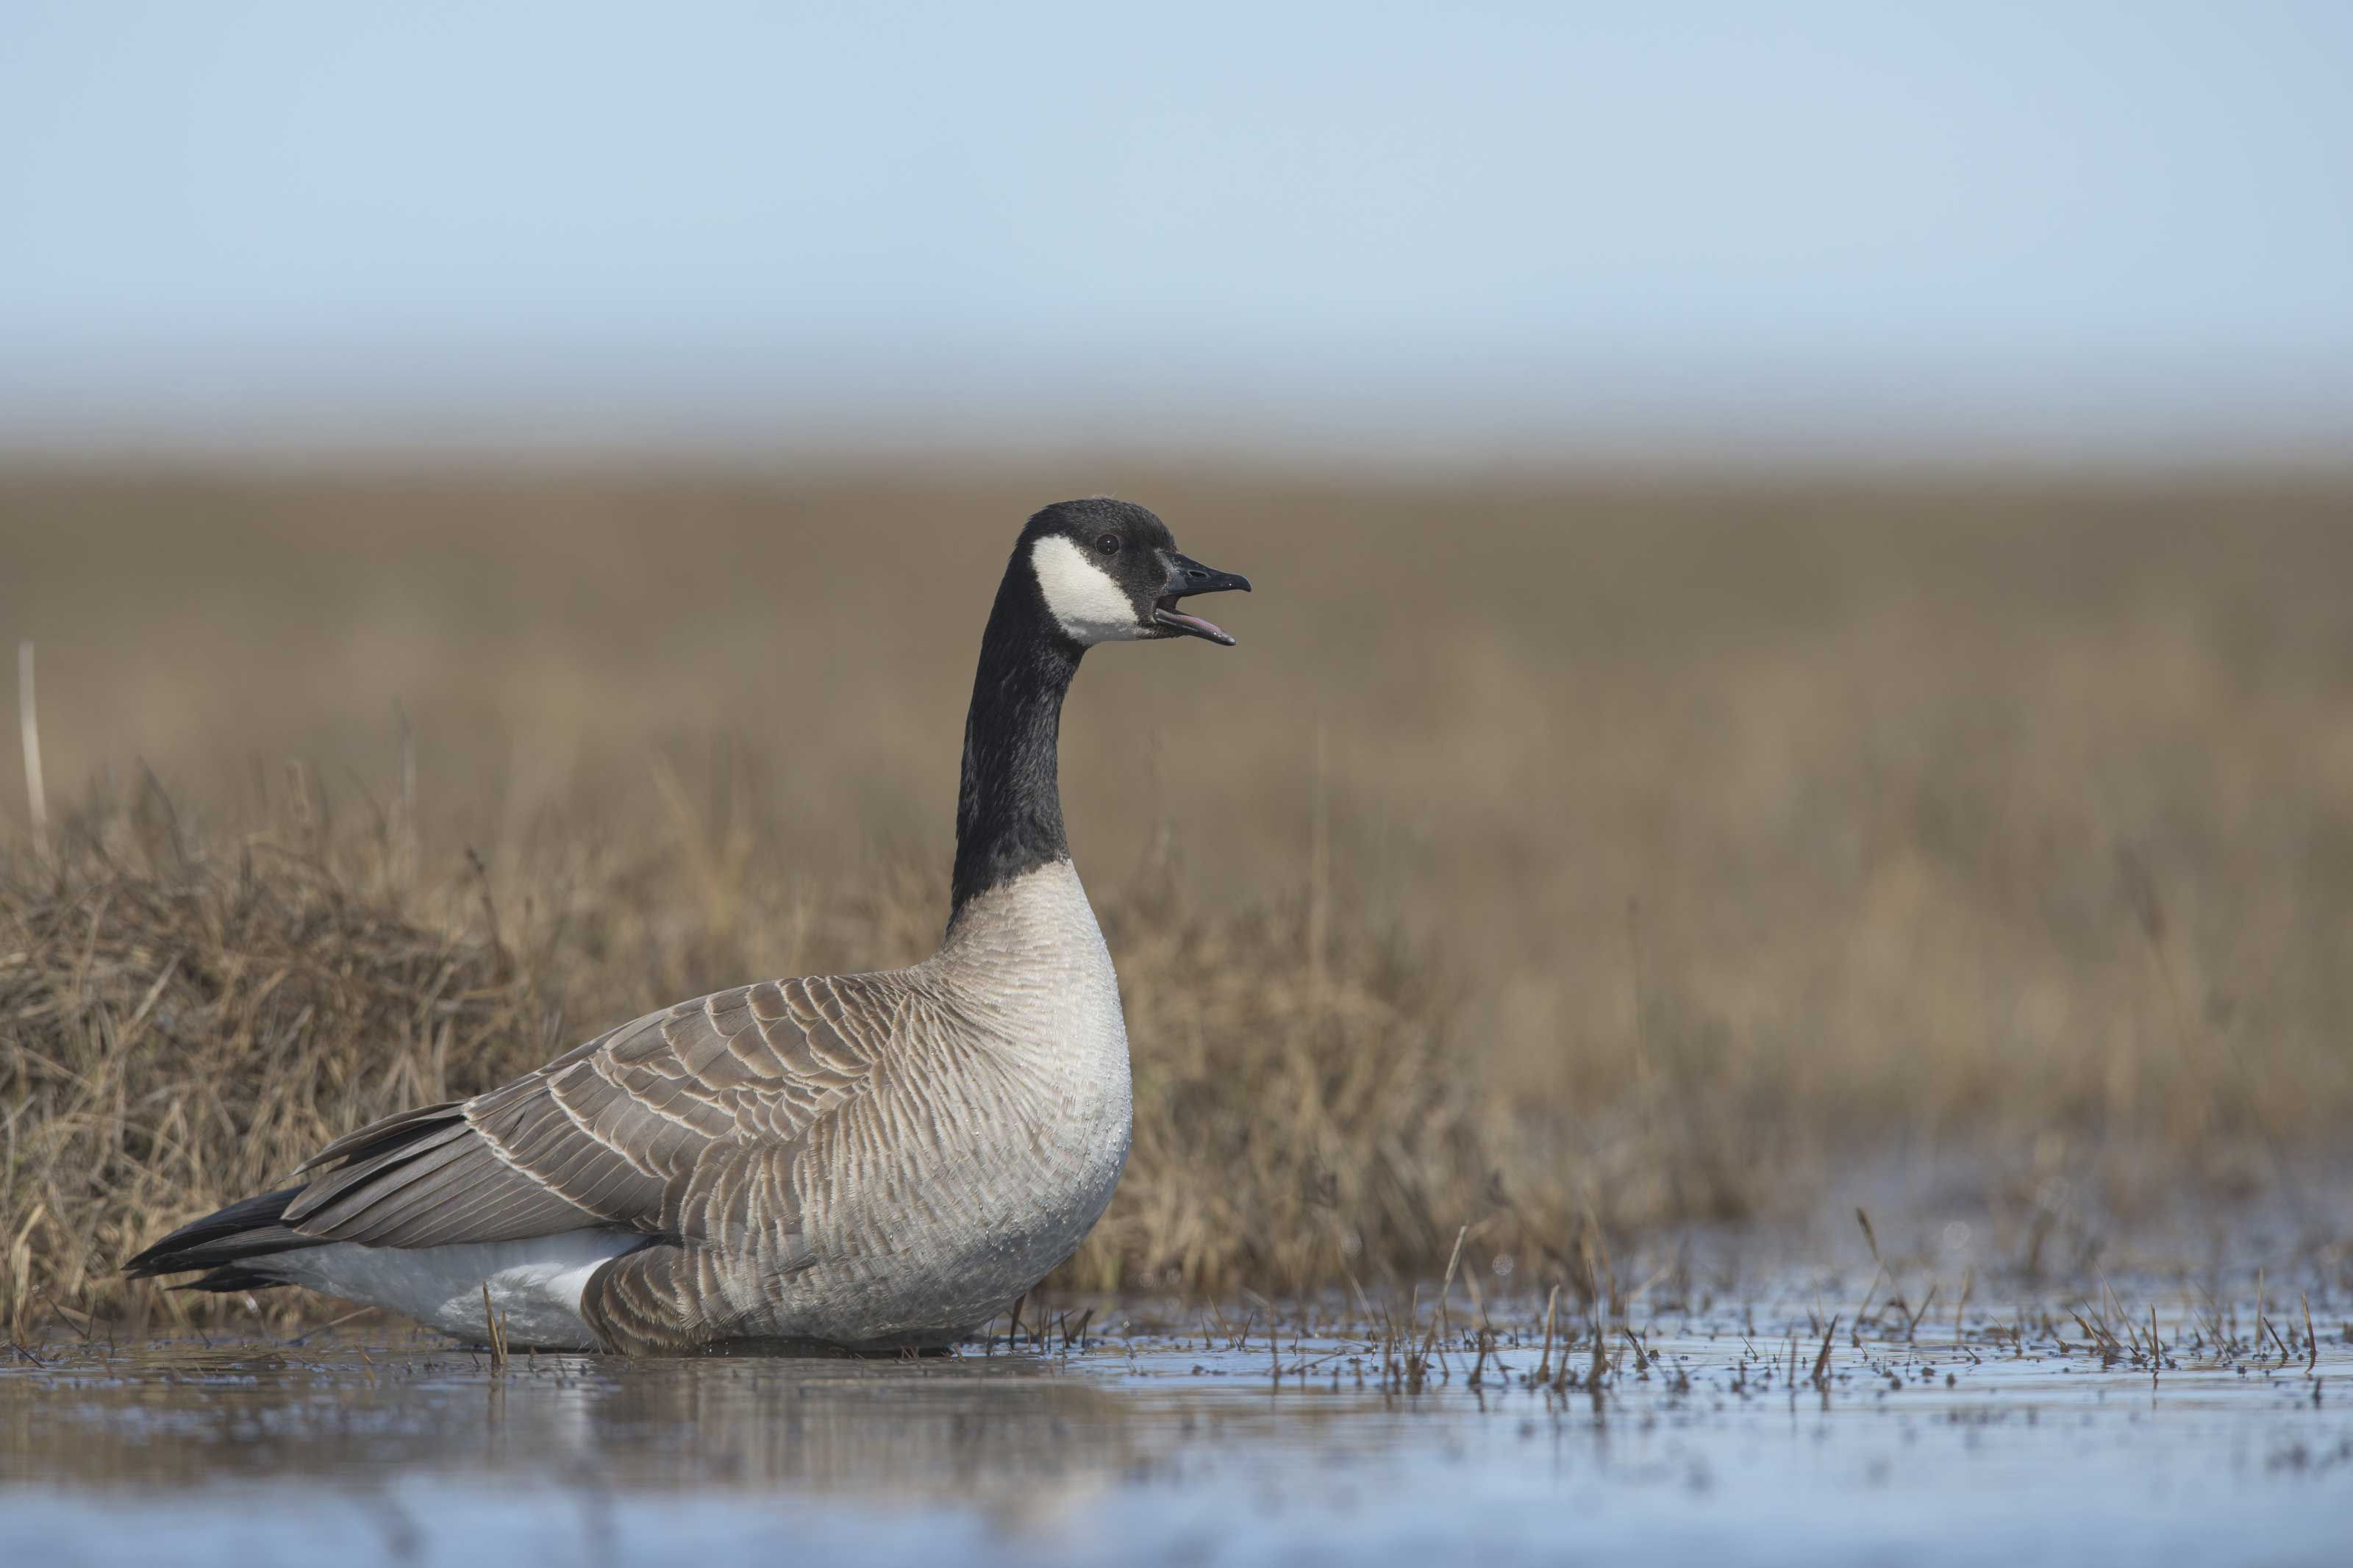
615	1131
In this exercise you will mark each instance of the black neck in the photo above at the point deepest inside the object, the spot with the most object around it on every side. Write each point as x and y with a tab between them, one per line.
1009	807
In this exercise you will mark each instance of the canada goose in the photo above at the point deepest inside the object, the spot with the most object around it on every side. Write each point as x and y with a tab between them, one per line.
871	1161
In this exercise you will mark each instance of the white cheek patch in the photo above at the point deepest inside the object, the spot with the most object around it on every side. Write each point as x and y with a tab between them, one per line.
1080	594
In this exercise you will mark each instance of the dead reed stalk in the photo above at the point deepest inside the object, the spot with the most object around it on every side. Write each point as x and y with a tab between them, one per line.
28	728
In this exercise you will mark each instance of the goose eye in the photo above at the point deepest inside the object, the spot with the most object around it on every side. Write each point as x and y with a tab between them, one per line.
1108	545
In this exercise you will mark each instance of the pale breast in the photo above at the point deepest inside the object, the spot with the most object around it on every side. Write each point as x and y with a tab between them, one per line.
996	1132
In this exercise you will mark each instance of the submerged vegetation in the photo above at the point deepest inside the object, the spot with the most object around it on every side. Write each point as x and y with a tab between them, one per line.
1561	865
2209	1406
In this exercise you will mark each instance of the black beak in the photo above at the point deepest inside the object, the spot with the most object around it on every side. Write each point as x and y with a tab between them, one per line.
1188	576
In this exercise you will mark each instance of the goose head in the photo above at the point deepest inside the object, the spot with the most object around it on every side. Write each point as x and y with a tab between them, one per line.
1109	571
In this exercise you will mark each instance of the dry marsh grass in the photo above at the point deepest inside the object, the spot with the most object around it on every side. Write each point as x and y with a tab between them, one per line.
1558	860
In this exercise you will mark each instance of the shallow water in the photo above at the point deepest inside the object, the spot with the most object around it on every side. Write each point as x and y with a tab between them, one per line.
2001	1434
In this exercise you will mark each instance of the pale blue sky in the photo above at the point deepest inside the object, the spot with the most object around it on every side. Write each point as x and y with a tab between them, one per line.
1508	227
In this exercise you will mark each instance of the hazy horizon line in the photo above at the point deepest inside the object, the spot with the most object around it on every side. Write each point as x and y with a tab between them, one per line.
1398	409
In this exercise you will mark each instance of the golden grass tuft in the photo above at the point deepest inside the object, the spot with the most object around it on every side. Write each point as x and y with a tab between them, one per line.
182	1034
183	1023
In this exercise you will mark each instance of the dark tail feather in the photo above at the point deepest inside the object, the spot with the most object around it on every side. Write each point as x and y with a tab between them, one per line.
232	1278
220	1242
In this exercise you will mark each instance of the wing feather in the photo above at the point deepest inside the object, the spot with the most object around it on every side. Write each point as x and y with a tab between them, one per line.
639	1126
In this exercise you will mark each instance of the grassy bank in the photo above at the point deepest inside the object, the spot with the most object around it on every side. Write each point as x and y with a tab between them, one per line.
1566	860
186	1023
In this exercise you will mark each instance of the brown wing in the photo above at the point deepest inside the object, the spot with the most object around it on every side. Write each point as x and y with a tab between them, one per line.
612	1132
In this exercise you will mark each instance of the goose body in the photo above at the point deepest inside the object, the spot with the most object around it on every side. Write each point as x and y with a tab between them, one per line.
871	1161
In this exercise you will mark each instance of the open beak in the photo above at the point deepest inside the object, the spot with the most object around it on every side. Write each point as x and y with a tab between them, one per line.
1188	576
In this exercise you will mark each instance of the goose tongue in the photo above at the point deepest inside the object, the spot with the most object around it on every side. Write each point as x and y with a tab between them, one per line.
1194	625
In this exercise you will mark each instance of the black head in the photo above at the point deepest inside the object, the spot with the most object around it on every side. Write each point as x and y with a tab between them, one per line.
1108	570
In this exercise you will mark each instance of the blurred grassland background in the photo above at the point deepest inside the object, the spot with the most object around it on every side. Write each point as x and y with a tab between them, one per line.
1571	856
